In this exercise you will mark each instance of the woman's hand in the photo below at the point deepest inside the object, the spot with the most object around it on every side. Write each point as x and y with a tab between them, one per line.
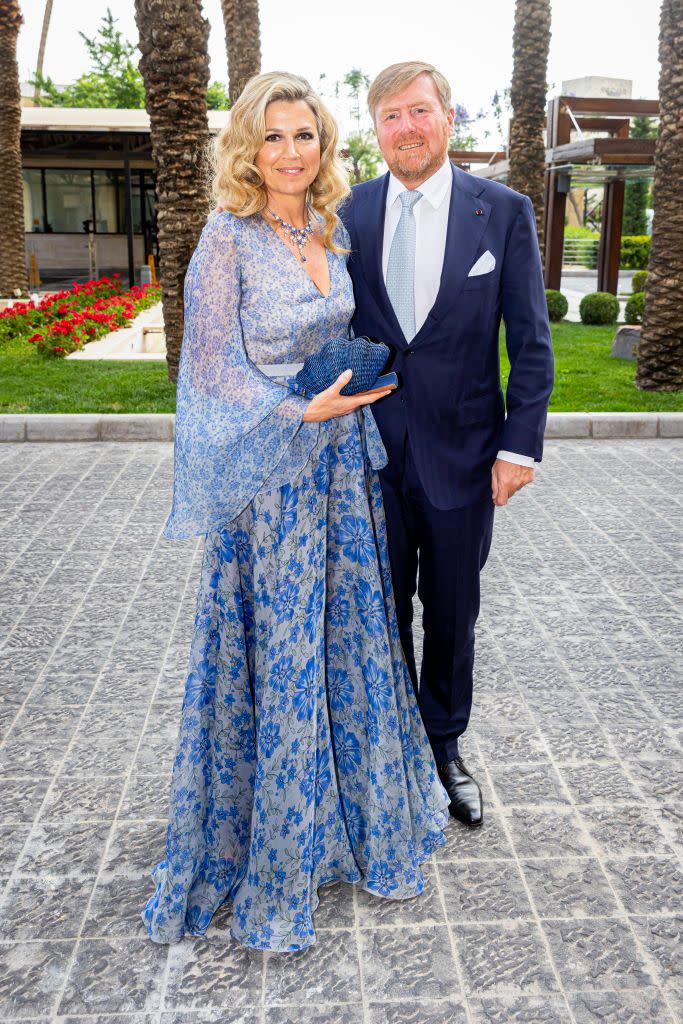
330	403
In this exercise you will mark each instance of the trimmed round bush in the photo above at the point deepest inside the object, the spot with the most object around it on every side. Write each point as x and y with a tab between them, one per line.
635	252
599	308
557	304
634	308
638	281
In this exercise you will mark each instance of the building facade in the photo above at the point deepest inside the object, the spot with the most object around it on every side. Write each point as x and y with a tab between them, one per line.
80	166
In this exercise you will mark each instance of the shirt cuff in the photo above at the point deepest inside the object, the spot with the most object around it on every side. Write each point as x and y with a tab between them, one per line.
518	460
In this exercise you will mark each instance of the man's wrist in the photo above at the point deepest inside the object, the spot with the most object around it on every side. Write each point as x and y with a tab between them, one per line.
517	460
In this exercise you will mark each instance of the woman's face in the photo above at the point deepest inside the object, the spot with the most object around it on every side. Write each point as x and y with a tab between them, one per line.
289	158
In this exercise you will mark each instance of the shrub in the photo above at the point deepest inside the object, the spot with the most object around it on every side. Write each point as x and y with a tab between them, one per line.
635	252
24	318
574	231
638	281
557	304
76	329
635	203
634	308
61	323
599	308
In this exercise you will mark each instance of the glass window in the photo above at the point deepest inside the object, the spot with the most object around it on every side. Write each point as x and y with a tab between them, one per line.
33	200
137	220
69	200
106	185
150	203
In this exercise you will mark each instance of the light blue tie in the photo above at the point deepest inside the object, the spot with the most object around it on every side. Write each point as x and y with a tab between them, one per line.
401	265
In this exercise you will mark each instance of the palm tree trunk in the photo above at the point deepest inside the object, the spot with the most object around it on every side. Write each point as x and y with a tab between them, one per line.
41	48
660	351
13	278
175	69
531	41
243	42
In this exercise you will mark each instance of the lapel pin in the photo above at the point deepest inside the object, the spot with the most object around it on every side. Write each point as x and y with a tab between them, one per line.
479	212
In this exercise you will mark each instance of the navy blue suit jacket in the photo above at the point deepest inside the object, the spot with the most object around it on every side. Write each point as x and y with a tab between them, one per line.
450	401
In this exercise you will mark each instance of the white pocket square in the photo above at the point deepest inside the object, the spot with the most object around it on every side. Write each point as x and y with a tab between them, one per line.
484	264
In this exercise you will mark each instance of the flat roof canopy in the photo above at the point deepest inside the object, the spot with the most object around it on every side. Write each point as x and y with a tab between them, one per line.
581	173
91	136
97	119
590	161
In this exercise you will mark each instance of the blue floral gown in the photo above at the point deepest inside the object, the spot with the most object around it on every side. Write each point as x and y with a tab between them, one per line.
301	756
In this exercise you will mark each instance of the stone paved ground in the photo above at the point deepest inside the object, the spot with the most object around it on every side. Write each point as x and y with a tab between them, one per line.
565	907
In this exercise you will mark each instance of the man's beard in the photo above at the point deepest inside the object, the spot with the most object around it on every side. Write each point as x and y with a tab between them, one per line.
419	169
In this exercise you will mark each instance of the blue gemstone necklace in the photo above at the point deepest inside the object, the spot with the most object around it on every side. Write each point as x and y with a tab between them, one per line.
299	236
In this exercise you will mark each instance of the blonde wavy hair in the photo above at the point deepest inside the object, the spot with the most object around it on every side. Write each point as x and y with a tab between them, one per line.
237	184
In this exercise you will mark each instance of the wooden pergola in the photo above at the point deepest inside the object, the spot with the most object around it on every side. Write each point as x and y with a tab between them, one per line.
609	160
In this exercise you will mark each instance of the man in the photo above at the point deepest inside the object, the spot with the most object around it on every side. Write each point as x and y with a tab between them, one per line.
438	255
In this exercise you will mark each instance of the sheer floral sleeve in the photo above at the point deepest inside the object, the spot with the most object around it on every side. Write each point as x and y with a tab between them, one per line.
235	428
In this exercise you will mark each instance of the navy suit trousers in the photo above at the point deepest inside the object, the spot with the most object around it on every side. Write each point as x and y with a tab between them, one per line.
446	551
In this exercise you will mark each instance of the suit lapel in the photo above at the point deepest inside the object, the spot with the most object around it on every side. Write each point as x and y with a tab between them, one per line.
463	236
372	219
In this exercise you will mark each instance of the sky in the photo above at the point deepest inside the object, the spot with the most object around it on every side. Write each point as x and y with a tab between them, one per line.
470	43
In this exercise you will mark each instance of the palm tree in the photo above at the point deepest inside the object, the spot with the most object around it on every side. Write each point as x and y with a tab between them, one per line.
530	43
13	278
41	48
660	351
175	69
243	42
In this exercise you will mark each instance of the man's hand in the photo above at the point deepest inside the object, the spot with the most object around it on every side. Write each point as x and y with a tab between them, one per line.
507	478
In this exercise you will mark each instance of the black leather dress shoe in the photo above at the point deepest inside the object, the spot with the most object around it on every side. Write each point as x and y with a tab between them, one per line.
466	801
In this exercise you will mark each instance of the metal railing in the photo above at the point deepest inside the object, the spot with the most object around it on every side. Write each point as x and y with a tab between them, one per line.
581	252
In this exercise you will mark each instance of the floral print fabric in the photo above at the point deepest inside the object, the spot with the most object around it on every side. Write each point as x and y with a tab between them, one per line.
237	430
301	756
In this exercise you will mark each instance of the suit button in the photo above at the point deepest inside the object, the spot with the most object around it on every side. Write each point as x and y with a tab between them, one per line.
410	352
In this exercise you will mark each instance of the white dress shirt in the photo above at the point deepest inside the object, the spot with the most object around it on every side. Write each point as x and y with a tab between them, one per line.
431	225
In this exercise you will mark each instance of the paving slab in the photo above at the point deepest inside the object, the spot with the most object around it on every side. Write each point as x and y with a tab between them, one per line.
566	906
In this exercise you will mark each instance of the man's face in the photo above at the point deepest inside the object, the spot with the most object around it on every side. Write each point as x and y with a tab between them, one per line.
413	131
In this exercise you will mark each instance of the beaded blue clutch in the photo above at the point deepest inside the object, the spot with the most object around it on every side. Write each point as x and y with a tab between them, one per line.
365	356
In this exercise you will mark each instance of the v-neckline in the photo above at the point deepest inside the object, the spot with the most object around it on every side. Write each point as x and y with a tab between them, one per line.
323	295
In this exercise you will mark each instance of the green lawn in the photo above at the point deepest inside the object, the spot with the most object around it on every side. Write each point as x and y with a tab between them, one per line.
587	379
30	382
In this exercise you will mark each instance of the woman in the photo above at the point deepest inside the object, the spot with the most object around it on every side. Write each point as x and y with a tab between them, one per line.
301	756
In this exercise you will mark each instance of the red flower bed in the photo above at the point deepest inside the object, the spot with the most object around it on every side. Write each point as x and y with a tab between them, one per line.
61	323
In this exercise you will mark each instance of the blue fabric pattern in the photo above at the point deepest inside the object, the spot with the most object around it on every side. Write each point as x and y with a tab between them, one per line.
301	757
238	430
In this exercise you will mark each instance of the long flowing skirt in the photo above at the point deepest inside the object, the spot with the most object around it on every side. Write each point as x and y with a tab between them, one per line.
301	756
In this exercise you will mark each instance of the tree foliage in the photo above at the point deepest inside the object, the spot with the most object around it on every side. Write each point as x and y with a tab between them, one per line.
363	156
113	80
501	109
638	193
359	149
217	97
462	136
